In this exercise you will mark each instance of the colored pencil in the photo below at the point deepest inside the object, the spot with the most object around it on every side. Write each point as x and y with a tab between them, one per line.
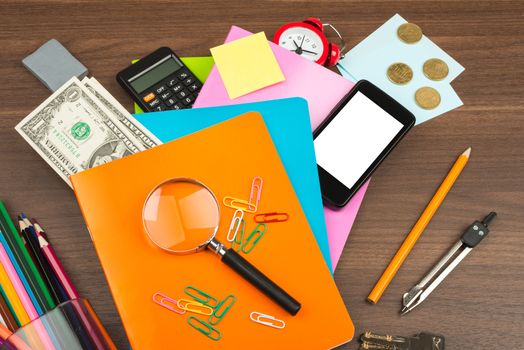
8	261
22	289
26	245
56	289
7	316
13	298
9	305
75	317
419	227
57	267
14	341
29	270
38	227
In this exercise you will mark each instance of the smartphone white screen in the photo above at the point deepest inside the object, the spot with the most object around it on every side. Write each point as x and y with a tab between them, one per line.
354	139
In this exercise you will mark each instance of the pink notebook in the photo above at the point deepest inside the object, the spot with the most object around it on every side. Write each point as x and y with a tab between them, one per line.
323	89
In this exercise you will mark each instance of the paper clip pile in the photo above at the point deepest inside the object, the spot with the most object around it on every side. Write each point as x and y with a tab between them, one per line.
201	303
236	231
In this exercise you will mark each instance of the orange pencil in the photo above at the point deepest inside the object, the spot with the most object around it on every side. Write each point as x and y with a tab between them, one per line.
419	227
13	339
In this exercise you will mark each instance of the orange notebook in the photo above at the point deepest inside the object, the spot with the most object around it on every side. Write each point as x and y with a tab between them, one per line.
225	157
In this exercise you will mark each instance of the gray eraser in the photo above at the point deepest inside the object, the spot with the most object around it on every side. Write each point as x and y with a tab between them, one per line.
53	65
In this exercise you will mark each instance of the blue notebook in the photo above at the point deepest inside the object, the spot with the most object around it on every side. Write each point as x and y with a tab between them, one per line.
287	121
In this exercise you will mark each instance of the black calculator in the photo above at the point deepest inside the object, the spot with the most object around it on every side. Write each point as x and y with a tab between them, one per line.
160	81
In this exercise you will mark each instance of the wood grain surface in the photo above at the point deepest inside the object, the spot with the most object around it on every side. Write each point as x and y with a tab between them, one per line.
479	306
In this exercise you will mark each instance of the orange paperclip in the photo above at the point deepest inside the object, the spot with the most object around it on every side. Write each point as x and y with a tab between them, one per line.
194	306
168	303
267	320
241	204
256	191
271	217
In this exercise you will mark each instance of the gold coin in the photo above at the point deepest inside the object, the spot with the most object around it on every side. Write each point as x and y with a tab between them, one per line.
427	97
409	33
400	73
435	69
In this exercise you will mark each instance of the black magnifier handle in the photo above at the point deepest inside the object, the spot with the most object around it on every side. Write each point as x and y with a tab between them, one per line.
232	259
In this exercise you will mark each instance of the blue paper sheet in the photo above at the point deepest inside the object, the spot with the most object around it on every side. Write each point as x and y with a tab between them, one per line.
288	123
371	58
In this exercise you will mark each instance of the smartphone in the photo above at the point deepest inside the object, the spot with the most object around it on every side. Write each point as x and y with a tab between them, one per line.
355	138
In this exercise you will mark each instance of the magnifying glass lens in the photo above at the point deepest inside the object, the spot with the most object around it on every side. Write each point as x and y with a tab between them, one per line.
180	216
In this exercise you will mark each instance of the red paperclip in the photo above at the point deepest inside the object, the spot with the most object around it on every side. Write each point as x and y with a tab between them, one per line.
271	217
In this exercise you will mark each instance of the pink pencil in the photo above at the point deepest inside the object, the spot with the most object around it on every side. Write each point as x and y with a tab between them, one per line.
57	267
64	279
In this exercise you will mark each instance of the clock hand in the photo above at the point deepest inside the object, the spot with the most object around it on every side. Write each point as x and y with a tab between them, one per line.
303	37
314	53
298	51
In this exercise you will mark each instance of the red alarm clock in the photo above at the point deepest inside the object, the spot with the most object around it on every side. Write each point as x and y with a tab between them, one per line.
308	40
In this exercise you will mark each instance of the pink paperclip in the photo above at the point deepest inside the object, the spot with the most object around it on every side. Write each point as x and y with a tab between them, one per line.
235	225
168	303
256	191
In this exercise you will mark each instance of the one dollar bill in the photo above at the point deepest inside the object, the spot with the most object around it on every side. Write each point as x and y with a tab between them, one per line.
73	131
147	139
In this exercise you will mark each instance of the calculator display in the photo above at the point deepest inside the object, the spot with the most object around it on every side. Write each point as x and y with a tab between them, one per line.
155	74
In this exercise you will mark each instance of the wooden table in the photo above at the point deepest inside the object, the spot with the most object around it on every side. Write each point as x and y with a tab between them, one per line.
479	306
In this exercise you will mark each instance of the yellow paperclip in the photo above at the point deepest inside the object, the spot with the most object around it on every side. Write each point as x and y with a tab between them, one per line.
238	216
237	203
256	191
194	307
267	320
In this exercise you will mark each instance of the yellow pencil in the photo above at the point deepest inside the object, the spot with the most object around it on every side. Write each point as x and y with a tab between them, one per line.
13	298
419	227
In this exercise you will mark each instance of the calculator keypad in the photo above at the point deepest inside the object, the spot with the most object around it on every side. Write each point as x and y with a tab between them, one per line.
177	91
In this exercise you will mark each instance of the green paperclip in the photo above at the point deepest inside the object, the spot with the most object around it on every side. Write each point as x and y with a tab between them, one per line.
201	296
220	311
239	237
256	239
208	331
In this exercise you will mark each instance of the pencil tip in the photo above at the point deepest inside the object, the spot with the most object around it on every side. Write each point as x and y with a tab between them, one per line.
467	152
38	228
26	220
42	241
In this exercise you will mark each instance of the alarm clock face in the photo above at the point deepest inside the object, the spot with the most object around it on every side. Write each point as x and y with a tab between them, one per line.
302	41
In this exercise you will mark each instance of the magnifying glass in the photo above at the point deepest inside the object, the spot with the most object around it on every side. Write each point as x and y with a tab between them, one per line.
181	216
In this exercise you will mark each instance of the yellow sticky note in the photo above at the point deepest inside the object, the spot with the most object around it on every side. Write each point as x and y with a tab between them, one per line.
247	65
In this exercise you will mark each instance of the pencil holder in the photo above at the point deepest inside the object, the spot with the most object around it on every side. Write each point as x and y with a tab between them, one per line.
71	325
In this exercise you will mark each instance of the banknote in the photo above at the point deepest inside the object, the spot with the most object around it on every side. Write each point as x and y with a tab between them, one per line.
72	131
134	127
